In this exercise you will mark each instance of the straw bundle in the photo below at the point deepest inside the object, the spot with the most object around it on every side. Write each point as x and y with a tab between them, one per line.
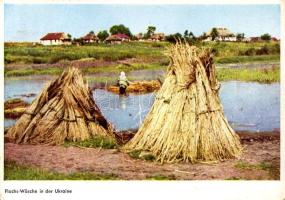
65	110
138	87
186	121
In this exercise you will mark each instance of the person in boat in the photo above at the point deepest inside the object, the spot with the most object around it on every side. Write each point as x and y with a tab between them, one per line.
123	83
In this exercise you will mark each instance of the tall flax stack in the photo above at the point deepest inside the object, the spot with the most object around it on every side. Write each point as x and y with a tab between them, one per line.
186	121
65	110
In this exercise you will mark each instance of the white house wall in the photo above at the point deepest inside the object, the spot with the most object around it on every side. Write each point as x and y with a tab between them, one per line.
53	42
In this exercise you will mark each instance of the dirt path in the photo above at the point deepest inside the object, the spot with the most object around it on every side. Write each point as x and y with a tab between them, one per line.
257	153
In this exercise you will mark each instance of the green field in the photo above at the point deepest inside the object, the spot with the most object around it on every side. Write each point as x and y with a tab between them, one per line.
146	52
223	74
19	58
27	54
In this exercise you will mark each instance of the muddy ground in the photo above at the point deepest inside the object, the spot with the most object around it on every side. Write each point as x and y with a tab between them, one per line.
260	161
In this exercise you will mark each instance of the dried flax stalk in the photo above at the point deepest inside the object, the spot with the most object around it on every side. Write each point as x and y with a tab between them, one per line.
65	110
186	122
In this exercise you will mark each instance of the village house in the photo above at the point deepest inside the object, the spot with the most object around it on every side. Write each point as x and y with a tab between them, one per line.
139	37
224	34
117	38
157	37
90	38
55	39
255	39
274	39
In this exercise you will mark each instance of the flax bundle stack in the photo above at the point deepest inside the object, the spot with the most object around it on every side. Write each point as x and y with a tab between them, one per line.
186	122
65	110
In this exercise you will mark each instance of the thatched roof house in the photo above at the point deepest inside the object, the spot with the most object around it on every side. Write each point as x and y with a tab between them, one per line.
139	36
224	34
90	38
157	37
64	111
117	38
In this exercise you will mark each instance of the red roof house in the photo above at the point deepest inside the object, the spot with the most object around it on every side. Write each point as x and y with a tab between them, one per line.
55	39
274	39
117	38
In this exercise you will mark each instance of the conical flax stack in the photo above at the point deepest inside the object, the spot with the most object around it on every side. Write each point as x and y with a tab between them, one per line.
186	122
65	110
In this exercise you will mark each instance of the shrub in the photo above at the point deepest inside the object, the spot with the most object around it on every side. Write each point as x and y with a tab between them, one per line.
250	52
263	51
157	45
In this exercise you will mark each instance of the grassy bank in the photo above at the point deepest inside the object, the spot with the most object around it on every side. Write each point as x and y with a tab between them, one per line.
146	52
53	54
87	70
246	59
95	142
244	74
223	74
13	171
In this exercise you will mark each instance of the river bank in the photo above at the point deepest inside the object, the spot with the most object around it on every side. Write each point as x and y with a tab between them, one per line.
260	161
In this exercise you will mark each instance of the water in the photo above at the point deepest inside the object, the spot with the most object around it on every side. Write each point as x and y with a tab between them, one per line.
247	105
124	112
251	106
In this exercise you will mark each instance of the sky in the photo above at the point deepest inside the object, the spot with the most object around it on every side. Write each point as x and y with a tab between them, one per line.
31	22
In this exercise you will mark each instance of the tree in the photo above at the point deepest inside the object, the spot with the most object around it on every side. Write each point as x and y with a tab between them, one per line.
189	36
265	37
151	30
145	36
69	36
214	34
240	36
186	34
173	38
120	29
203	36
91	32
102	35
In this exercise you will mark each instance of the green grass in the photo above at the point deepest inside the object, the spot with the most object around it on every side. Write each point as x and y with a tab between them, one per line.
87	70
223	74
244	74
274	171
244	165
95	142
160	177
146	52
150	56
246	59
53	54
136	154
12	171
29	71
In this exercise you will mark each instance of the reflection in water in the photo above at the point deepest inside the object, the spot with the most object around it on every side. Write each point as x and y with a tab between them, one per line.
123	100
124	112
247	105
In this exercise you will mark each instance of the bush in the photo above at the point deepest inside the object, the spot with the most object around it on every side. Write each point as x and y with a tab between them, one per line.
250	52
263	51
276	49
215	51
157	45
